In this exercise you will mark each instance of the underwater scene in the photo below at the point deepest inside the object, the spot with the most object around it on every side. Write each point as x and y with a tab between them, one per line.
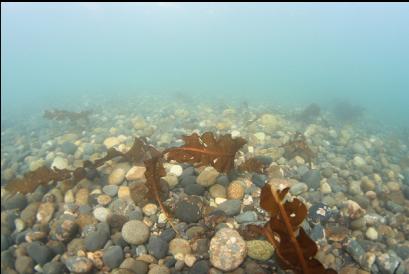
195	138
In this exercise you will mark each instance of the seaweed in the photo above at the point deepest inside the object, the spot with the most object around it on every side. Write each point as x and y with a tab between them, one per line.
206	150
252	165
139	152
298	146
294	249
61	115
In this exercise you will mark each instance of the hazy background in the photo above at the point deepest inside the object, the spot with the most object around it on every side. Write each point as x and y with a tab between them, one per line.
55	55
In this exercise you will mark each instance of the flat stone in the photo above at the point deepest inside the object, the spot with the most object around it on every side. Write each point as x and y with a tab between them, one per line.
230	207
207	177
79	264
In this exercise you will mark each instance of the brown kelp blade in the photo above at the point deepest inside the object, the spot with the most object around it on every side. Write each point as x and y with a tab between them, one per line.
43	175
206	150
298	146
251	165
294	252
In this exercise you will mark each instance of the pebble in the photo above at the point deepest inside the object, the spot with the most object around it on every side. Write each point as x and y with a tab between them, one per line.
135	232
65	230
358	161
81	197
371	233
176	170
124	193
200	267
111	141
298	188
227	249
157	247
217	191
136	173
172	180
60	163
259	250
136	266
207	177
54	267
104	199
113	256
388	262
150	209
187	211
110	190
17	201
40	253
312	178
246	217
117	176
96	240
230	207
101	213
45	212
23	265
194	189
325	188
159	269
79	264
235	190
68	148
179	246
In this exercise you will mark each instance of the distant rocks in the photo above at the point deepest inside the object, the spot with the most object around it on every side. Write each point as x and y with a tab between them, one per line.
111	142
68	148
227	249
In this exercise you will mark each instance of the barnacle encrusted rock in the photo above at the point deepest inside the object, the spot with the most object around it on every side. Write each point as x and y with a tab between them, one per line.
227	249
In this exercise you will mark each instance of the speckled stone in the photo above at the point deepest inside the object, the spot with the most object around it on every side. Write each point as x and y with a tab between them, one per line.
135	232
227	249
259	250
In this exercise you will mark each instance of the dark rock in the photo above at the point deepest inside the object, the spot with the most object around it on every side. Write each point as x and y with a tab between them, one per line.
252	267
96	240
405	190
68	148
312	178
24	265
54	268
157	247
17	201
230	207
223	180
186	180
202	247
246	217
356	251
118	240
405	174
40	253
188	171
187	211
317	233
170	262
259	179
402	251
5	242
394	207
194	189
57	247
7	259
113	256
388	262
200	267
265	160
136	214
319	213
168	234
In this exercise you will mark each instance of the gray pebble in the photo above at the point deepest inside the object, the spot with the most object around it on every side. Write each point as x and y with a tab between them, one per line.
40	253
157	247
230	207
113	256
